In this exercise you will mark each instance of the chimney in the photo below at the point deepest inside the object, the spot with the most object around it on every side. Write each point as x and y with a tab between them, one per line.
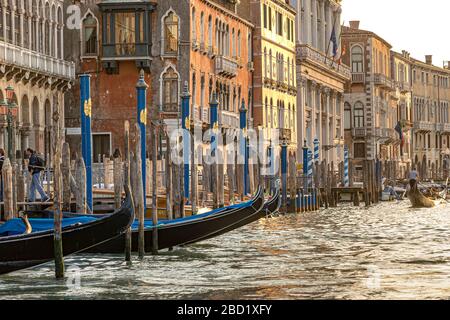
429	59
354	24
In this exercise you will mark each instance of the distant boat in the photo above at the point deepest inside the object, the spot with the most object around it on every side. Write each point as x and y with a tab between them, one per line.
20	251
418	200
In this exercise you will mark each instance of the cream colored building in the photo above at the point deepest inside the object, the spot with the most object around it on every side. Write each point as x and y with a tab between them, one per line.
274	82
32	62
401	98
321	78
430	110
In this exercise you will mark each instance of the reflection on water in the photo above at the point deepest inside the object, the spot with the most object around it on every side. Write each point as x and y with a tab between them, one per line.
387	251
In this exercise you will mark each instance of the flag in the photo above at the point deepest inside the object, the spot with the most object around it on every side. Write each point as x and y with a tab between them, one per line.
333	39
343	52
398	129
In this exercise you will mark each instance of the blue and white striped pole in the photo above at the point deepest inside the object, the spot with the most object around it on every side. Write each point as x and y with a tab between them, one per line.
310	168
141	90
305	165
316	150
346	179
86	135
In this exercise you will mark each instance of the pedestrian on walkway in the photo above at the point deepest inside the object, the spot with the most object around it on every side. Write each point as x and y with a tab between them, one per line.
35	166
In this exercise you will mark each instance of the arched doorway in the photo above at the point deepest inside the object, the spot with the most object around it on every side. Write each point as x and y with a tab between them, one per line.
35	137
48	126
25	123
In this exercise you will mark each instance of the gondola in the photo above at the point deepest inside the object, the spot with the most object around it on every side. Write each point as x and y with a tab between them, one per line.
418	200
271	206
182	231
20	251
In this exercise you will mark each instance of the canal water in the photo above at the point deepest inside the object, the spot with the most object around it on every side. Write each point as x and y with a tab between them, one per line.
388	251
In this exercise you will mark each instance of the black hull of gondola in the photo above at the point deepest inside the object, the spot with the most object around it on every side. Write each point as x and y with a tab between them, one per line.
271	206
185	232
24	251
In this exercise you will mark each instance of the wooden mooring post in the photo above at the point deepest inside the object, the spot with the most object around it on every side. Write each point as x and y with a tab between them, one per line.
155	130
57	190
65	171
127	186
139	194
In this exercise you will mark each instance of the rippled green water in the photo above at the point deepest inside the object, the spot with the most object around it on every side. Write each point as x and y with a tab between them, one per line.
388	251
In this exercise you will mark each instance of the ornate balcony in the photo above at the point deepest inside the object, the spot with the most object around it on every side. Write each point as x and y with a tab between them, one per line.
226	66
381	80
32	66
228	119
423	126
404	87
359	132
358	77
307	54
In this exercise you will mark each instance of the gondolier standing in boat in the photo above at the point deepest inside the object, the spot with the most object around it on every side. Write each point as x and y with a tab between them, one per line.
35	166
413	177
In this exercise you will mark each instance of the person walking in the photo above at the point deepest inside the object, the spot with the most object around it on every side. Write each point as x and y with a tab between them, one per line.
35	166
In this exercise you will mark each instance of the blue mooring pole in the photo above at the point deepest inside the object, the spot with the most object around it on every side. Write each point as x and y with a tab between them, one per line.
305	166
214	123
86	135
186	125
284	174
243	143
141	92
316	150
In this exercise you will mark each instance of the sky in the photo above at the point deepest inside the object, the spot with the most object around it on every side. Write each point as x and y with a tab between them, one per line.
417	26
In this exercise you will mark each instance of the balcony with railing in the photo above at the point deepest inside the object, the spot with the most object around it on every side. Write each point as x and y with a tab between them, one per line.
404	87
20	57
424	126
307	54
226	66
359	132
381	80
358	77
228	119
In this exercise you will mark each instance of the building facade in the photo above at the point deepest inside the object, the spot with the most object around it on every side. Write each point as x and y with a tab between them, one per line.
204	43
402	98
370	110
430	113
32	63
275	88
321	78
112	44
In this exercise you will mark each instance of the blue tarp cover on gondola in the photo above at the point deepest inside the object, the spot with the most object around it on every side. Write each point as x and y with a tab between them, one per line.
16	226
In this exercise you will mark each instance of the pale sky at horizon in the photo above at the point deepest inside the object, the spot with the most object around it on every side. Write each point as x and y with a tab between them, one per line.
417	26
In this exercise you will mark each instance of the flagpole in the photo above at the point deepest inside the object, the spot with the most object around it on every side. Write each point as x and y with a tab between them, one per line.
340	44
329	39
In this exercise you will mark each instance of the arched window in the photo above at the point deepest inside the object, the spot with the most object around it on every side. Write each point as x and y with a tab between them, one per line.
89	35
210	36
266	112
233	43
194	26
8	28
1	23
17	29
239	43
358	115
171	33
47	29
266	67
347	116
202	28
170	90
357	59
